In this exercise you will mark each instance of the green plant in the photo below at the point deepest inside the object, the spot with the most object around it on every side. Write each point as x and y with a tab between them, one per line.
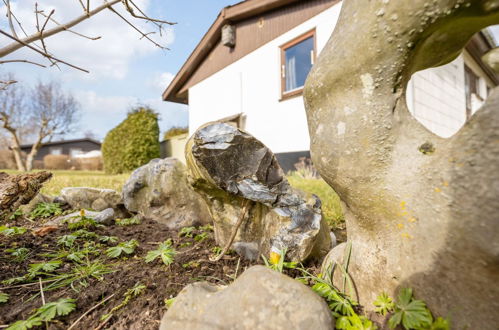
410	312
79	275
12	231
207	228
216	250
83	222
164	250
19	254
276	261
123	247
127	221
67	240
45	210
440	324
201	237
133	143
169	302
108	239
85	234
17	213
186	232
384	304
174	131
136	291
45	313
43	267
3	298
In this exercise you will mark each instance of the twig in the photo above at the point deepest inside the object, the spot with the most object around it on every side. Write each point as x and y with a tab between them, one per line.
69	30
22	61
144	17
103	323
91	309
24	285
234	232
34	37
137	29
9	16
41	290
41	52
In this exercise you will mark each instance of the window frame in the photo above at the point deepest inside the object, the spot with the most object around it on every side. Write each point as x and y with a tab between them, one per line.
299	91
471	79
59	149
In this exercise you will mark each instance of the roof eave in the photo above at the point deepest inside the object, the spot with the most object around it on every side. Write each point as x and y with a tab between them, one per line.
234	13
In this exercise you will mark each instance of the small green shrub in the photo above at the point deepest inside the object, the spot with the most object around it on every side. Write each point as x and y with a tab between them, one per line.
45	313
132	143
165	251
127	221
45	210
174	131
12	231
123	247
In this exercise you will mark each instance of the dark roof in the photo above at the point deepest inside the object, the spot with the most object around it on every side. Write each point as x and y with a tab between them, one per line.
230	14
24	146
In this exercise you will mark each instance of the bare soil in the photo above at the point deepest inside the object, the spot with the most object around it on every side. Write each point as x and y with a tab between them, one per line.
192	263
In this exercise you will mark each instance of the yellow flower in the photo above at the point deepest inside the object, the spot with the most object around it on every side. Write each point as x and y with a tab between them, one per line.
274	258
82	212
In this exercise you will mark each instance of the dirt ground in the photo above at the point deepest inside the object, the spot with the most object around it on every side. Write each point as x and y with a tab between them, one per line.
191	264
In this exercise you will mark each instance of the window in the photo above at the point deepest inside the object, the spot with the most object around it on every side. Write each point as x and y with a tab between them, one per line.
56	151
297	58
471	85
75	152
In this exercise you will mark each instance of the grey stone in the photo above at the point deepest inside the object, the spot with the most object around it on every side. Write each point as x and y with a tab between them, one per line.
420	219
259	299
104	217
233	171
159	190
91	198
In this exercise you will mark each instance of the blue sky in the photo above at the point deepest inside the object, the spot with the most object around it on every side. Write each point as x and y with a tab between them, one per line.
124	70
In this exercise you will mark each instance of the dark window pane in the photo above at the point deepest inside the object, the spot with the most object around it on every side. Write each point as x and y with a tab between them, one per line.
298	63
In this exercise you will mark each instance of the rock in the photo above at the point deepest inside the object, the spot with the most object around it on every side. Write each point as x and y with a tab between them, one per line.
104	217
424	209
16	190
91	198
159	190
233	171
259	299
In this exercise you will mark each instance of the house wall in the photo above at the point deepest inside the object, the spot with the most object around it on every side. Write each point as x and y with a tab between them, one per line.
436	97
252	86
175	147
85	146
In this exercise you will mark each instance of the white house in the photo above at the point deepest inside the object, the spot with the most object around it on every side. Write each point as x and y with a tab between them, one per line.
250	67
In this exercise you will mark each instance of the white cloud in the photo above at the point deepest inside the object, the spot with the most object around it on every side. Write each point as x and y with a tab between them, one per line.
161	80
109	56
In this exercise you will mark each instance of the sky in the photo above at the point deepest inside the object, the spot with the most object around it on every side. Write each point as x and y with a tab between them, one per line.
124	70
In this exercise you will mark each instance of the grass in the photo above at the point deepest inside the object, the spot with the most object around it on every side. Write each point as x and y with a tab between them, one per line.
331	207
63	179
330	201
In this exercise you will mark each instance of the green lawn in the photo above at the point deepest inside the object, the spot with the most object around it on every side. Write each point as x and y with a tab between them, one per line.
62	179
331	207
330	201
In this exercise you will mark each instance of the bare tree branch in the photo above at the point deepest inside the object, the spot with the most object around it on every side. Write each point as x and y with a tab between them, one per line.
137	29
144	16
35	37
9	16
6	83
22	61
69	30
40	52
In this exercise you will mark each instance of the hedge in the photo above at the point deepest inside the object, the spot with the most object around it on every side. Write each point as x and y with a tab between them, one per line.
132	143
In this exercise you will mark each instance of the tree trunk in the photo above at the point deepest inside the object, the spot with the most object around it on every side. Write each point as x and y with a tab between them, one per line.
34	150
18	157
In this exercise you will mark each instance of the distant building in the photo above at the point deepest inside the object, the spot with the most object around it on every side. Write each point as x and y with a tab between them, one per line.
250	67
68	147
